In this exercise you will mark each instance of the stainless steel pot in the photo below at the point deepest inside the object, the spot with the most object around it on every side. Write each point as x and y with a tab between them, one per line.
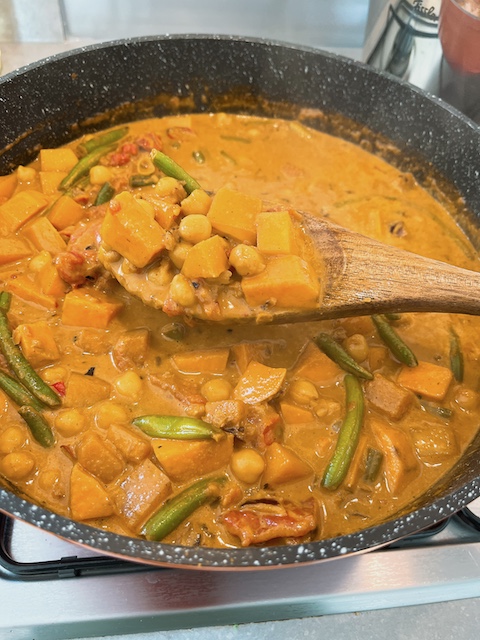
58	99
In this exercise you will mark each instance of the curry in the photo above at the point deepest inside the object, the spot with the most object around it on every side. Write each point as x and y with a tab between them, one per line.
121	411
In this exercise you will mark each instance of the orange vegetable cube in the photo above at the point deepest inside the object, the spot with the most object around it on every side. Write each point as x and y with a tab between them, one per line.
19	209
132	231
37	342
8	185
275	233
244	352
183	460
43	235
65	212
50	181
234	214
145	488
88	498
84	391
287	281
206	259
293	414
401	464
84	309
13	249
205	361
317	367
259	383
283	465
50	281
60	159
388	397
25	287
99	457
132	447
426	379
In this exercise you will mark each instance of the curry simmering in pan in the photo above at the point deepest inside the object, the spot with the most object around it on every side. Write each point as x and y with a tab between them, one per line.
143	422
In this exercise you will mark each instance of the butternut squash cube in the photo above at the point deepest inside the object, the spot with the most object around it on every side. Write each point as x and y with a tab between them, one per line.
275	233
224	413
426	379
61	159
401	465
19	209
245	352
145	488
293	414
8	185
99	457
315	366
88	497
65	212
84	309
25	287
259	383
234	214
204	361
132	231
13	249
50	281
132	447
287	282
37	342
43	235
50	181
183	460
206	259
283	465
84	391
388	397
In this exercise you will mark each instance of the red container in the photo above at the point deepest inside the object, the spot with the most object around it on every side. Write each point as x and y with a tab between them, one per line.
459	32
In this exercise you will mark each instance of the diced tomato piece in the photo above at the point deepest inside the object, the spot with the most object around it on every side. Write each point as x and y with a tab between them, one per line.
60	388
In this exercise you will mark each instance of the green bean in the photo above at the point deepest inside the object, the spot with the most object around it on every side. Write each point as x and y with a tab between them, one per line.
139	180
39	427
456	356
177	509
392	340
105	194
176	427
372	464
172	169
440	412
347	436
110	137
338	354
18	393
83	166
17	362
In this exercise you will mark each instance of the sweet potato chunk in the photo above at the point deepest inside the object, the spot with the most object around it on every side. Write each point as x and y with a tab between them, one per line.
401	465
245	352
43	235
145	488
50	281
427	380
293	414
317	367
24	286
234	214
388	397
202	361
259	383
224	413
206	259
13	249
287	282
19	209
83	309
88	498
8	185
61	159
283	465
84	391
99	457
50	181
275	233
132	447
183	460
65	212
132	231
37	342
130	349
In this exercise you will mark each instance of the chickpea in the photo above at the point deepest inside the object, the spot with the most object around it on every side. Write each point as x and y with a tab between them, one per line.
100	174
48	480
247	465
216	390
129	384
246	260
356	345
466	398
39	261
326	408
181	291
11	439
17	465
26	174
70	422
179	253
109	413
168	186
195	228
303	391
198	202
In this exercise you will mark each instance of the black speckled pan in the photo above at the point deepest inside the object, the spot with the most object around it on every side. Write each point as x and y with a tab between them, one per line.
60	98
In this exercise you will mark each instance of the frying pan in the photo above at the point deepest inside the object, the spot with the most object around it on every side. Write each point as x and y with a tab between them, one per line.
51	102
